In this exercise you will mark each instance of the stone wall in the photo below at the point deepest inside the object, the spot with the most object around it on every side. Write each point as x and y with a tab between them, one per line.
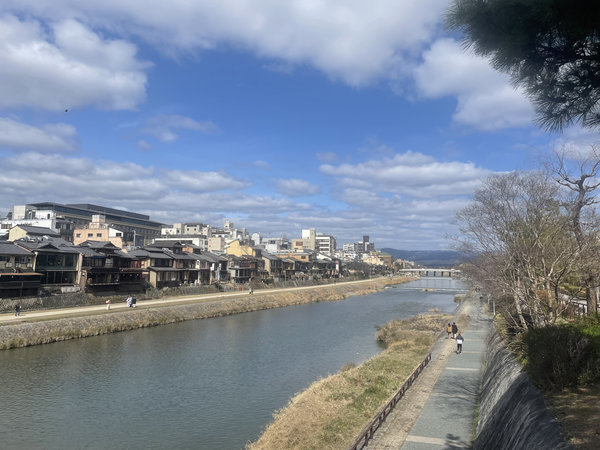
512	411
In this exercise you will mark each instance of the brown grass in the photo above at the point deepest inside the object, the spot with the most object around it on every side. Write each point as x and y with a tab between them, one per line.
332	412
44	331
578	411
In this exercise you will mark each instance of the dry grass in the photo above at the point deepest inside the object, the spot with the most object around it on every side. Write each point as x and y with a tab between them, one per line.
46	331
332	412
578	411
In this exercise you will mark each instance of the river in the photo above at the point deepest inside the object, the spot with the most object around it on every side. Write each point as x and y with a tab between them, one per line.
204	384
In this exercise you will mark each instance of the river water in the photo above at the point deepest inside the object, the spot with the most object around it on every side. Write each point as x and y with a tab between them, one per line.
204	384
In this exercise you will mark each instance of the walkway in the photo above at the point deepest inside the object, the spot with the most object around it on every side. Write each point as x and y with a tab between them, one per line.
449	387
44	314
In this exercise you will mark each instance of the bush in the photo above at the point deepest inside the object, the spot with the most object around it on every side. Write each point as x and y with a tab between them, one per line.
563	355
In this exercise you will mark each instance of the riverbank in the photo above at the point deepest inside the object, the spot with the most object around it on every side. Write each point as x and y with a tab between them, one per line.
332	412
94	321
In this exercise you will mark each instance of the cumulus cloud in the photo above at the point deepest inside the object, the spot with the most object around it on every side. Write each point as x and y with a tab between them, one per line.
577	142
18	136
409	173
66	66
486	98
177	194
163	127
353	41
196	181
296	187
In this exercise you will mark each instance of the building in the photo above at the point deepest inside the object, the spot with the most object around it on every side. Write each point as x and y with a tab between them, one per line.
56	260
136	228
23	231
99	230
17	278
365	246
43	218
325	244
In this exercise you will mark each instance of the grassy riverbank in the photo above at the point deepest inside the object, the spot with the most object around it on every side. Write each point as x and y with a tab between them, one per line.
332	412
47	331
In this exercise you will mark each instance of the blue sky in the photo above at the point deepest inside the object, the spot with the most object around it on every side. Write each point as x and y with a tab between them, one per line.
351	117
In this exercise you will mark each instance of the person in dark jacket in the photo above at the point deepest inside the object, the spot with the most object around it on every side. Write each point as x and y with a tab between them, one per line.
454	330
17	309
459	342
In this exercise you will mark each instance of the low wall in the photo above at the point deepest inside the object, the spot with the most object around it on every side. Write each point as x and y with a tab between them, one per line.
512	412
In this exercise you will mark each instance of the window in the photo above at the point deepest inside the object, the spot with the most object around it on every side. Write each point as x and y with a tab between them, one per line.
90	234
78	235
98	234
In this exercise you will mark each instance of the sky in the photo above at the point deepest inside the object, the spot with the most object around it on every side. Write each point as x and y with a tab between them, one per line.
355	118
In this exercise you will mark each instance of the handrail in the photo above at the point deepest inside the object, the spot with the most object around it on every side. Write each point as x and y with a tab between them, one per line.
367	433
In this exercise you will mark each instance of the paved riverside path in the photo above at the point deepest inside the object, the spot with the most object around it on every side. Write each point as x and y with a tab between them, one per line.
45	314
446	412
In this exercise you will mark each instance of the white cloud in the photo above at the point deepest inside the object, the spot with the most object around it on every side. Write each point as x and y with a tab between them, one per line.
196	181
577	142
296	187
486	98
162	127
17	136
66	66
409	173
354	41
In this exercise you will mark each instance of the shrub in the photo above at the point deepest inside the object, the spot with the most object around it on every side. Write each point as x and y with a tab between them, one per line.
563	355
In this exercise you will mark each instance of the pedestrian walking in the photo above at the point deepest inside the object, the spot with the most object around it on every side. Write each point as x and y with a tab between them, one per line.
449	329
459	342
108	304
128	302
250	291
454	330
17	310
133	302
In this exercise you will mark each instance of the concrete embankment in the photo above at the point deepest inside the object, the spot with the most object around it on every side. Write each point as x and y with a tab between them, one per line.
47	331
512	412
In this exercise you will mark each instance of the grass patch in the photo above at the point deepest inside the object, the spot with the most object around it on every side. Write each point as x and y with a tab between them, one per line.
332	412
578	411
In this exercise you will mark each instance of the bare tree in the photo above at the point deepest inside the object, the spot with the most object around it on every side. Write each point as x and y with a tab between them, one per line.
580	180
523	244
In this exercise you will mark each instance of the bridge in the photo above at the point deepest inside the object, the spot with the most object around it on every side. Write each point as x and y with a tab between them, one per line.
431	272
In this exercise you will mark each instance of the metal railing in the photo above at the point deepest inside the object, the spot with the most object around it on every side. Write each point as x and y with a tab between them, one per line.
367	433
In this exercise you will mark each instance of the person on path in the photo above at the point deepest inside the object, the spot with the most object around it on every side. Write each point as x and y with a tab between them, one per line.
108	304
133	302
17	310
250	291
459	342
128	302
454	330
449	329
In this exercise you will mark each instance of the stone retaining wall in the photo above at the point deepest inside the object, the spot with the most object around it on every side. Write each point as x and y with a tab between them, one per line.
512	411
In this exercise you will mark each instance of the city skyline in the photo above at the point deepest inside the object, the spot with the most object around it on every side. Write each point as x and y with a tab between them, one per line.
352	119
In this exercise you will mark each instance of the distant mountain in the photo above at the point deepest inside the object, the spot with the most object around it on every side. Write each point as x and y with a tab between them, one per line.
428	258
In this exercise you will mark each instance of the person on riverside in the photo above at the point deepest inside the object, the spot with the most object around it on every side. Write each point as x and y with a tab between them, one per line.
449	329
459	342
17	310
454	330
108	304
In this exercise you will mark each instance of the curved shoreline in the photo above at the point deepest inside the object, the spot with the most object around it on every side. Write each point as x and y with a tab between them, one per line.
103	322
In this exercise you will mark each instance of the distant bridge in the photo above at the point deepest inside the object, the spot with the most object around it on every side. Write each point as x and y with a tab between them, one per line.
449	273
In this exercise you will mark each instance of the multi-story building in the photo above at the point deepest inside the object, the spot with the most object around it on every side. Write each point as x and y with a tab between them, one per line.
136	228
99	231
325	244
